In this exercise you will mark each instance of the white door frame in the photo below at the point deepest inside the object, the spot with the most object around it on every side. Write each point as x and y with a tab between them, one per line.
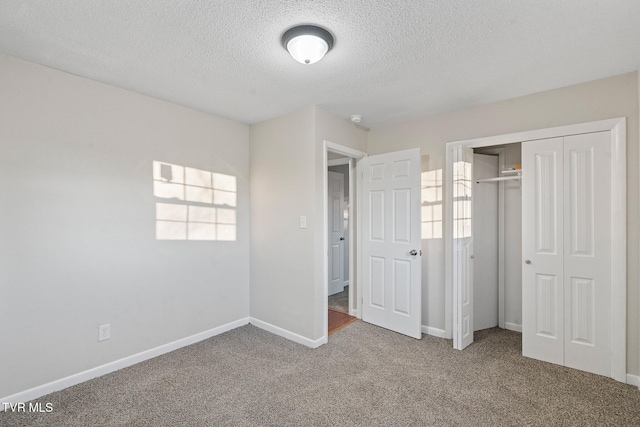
351	157
618	129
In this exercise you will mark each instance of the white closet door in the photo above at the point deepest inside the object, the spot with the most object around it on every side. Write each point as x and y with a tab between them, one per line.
566	247
587	252
542	250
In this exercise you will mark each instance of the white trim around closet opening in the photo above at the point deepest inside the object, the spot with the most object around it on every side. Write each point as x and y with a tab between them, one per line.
617	127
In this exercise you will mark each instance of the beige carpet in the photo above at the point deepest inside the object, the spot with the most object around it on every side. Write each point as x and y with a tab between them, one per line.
364	376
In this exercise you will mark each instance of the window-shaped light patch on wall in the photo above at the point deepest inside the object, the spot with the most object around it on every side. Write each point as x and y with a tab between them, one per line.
431	187
461	199
199	205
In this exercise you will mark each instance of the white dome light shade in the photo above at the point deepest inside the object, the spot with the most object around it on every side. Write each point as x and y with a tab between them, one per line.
307	49
307	43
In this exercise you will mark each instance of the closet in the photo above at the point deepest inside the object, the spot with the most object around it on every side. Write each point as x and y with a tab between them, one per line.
564	281
562	275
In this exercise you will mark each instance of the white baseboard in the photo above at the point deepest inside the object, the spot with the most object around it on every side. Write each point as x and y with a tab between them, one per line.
36	392
633	380
516	327
287	334
435	332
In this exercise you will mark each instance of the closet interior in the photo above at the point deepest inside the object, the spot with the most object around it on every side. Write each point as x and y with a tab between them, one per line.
497	229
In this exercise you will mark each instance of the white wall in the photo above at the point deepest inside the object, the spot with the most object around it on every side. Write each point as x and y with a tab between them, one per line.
597	100
433	277
282	254
77	220
287	181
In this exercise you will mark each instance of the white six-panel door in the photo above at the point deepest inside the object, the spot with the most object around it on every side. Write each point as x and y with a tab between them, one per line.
566	248
336	232
391	241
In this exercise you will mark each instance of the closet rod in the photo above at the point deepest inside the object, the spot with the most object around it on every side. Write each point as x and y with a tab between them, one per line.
500	178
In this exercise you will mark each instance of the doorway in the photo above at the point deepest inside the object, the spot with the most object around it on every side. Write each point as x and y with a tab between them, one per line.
460	251
338	222
388	271
345	159
338	242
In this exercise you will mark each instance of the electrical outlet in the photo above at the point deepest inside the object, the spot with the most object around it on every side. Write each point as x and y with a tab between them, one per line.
104	332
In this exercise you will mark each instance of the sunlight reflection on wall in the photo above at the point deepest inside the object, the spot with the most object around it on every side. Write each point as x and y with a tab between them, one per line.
431	188
200	205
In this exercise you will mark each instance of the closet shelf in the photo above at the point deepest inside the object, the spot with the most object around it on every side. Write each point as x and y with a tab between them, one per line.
512	171
500	178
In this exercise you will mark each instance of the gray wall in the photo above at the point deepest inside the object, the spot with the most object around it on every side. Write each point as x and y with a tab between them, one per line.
597	100
282	253
77	220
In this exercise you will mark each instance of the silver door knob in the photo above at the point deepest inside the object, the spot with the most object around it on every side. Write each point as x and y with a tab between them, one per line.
413	252
342	238
473	256
528	261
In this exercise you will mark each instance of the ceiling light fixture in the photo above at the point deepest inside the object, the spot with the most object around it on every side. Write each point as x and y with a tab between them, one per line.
307	43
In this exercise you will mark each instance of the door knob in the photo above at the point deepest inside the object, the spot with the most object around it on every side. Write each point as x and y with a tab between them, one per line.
413	252
342	238
528	261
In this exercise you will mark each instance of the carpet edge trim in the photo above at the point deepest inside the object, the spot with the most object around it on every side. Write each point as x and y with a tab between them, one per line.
98	371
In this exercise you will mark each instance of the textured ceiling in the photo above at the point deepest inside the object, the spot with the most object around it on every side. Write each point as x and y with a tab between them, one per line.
393	60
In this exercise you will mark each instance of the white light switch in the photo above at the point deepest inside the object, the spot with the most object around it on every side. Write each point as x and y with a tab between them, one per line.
303	222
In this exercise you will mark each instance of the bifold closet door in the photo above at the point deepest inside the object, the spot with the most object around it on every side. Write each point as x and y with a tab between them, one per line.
587	252
566	238
542	250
